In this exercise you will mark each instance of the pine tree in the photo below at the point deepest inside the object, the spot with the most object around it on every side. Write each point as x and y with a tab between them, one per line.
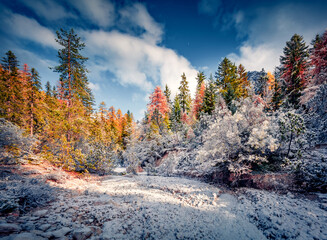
228	82
48	90
12	101
319	59
158	110
167	93
176	113
10	63
198	101
243	80
73	79
209	99
200	78
184	95
262	84
295	64
34	98
277	98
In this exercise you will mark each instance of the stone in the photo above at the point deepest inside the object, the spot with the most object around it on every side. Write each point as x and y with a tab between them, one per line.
44	227
27	236
40	213
28	226
58	233
7	228
82	233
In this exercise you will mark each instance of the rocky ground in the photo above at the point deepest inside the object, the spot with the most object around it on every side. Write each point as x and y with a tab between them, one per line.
153	207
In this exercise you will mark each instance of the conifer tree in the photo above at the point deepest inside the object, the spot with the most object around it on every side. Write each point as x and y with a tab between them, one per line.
319	59
277	97
12	101
198	101
48	90
158	110
200	78
34	98
295	64
167	93
228	82
262	84
184	95
209	99
73	79
10	63
243	80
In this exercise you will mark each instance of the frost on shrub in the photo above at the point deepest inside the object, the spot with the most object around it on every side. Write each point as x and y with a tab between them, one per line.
237	142
316	115
292	133
149	152
25	196
13	144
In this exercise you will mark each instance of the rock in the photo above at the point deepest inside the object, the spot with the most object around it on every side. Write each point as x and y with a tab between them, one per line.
28	226
27	236
7	228
44	227
82	233
40	213
58	233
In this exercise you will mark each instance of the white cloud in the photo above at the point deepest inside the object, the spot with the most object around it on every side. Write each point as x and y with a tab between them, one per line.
28	28
268	28
209	7
94	86
256	57
100	12
137	15
48	9
135	61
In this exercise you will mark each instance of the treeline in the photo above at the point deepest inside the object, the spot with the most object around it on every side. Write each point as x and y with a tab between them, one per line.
232	126
62	118
290	86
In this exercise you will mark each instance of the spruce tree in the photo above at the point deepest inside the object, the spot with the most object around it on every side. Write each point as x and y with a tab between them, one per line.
243	80
209	99
10	63
319	59
48	90
294	66
184	95
73	80
228	82
200	78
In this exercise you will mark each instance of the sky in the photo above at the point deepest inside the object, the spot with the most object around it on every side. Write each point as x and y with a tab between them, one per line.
134	46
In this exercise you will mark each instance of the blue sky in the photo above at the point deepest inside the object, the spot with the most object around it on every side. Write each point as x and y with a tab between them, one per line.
134	46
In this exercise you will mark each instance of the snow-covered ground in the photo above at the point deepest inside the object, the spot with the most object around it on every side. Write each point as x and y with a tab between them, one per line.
154	207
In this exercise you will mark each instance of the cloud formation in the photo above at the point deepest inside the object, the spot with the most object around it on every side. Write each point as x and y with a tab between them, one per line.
267	28
28	28
48	9
100	12
135	61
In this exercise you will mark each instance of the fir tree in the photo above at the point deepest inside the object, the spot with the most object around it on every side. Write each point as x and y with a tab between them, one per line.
319	59
228	82
48	90
295	65
167	93
243	80
10	63
73	79
200	78
158	110
184	95
209	99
